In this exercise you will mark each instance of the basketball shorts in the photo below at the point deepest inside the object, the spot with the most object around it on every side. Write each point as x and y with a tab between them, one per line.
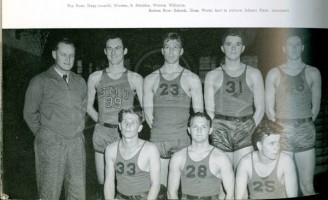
297	136
103	136
230	136
169	147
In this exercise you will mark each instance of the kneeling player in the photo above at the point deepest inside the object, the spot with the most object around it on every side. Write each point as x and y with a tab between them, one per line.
201	167
134	162
268	173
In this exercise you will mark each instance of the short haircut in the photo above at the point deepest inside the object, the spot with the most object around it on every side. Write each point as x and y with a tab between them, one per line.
233	32
265	128
294	33
114	35
64	40
173	36
133	110
200	114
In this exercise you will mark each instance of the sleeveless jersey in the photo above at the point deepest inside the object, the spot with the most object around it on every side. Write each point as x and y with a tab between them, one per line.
171	110
266	187
234	98
197	178
293	96
113	95
131	180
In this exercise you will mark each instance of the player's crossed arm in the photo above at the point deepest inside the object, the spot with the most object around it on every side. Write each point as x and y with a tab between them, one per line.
93	81
242	177
110	157
176	165
316	82
222	167
150	83
196	93
209	94
290	177
155	170
137	85
258	91
270	90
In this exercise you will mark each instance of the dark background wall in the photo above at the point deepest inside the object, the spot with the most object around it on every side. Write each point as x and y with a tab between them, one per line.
143	45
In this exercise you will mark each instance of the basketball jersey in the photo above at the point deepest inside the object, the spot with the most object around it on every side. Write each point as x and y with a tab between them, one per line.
293	96
266	187
113	95
131	180
171	110
197	178
234	98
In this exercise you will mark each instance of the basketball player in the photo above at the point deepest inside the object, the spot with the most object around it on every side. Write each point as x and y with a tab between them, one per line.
293	96
168	93
115	87
268	173
231	92
200	167
134	162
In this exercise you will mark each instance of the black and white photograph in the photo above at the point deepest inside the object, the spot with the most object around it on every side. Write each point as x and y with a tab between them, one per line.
164	113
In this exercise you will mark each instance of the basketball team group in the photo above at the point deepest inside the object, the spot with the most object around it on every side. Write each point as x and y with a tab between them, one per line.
208	141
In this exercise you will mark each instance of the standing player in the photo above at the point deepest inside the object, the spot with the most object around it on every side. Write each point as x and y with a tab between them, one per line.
134	162
115	87
293	95
55	108
201	167
231	91
268	173
167	96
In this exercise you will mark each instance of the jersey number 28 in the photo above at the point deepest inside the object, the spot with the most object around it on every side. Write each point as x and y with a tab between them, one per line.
201	171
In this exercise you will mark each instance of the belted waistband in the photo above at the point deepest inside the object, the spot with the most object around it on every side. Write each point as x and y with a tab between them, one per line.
108	125
231	118
191	197
133	197
300	120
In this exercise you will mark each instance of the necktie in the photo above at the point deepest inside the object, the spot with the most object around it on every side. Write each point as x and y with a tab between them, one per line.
65	78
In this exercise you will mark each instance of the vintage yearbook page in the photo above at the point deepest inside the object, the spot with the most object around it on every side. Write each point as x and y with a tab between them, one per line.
242	62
